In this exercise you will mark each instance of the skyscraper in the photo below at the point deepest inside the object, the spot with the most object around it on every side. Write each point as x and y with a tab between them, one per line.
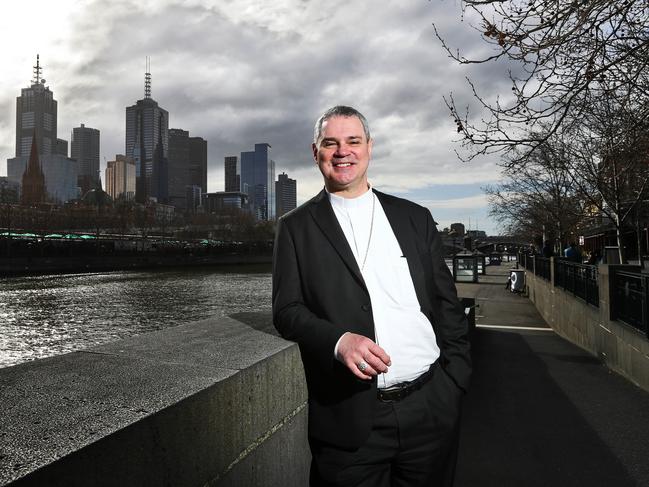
187	168
36	125
286	194
85	150
232	174
147	143
120	178
198	163
36	115
258	181
178	167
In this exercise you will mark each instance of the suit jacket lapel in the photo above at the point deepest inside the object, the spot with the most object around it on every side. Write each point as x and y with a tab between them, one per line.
404	230
325	218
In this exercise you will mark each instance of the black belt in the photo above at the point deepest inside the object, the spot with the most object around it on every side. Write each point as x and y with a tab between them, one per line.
402	390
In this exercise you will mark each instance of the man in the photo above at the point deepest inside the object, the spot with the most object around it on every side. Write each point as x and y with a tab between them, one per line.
547	250
572	253
360	283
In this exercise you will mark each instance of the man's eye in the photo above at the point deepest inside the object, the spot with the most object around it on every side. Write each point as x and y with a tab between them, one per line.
328	143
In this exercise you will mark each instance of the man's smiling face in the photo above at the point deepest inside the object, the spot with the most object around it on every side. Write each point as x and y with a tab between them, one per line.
343	154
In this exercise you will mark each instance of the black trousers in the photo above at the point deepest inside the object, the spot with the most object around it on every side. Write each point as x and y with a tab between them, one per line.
413	443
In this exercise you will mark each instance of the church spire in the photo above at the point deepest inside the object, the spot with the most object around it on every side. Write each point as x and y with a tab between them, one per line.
33	183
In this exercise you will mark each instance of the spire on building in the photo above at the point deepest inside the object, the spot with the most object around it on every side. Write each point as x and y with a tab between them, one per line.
147	78
33	184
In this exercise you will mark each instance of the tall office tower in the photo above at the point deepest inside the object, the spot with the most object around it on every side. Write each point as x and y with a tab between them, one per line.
178	167
120	178
147	143
187	167
62	147
286	194
198	163
36	114
85	150
258	181
232	174
33	180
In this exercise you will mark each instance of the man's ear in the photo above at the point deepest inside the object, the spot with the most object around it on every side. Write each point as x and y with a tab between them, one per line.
369	147
314	149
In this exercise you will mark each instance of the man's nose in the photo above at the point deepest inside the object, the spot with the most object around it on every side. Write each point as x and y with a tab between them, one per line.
342	150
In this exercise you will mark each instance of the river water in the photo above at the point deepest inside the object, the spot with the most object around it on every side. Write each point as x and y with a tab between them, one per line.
48	315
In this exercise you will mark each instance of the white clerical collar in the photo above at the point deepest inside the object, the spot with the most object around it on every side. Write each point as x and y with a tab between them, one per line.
362	201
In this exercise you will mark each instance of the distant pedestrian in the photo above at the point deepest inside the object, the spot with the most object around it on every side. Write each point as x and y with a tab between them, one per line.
573	253
595	257
547	250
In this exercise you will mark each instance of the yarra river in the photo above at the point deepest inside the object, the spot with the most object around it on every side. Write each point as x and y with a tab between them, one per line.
44	316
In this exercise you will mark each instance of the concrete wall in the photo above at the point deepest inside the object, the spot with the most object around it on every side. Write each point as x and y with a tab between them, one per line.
620	346
211	403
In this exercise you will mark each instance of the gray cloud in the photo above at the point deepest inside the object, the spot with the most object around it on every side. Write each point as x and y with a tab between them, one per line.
242	71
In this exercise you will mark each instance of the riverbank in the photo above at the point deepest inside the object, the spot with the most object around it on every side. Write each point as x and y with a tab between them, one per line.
35	266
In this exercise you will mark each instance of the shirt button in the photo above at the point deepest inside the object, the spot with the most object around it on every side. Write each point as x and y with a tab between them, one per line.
366	307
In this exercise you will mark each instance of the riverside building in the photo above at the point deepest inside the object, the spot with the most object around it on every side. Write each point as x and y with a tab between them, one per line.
286	194
36	124
258	181
147	143
85	150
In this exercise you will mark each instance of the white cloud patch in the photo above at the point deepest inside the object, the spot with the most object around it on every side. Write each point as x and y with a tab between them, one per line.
478	201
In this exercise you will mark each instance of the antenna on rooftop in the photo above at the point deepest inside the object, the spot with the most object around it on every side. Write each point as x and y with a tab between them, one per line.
37	71
147	78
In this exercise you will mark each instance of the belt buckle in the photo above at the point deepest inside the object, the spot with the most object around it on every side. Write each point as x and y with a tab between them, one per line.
398	392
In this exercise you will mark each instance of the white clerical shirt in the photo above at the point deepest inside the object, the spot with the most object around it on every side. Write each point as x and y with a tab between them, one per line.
401	329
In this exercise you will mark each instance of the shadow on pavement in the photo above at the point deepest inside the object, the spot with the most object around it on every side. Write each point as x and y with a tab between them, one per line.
520	428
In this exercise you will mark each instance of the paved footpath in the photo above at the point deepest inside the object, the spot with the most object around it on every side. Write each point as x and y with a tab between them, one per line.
541	411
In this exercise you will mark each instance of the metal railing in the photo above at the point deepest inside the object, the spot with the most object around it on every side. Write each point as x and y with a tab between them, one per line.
578	279
630	299
528	262
542	267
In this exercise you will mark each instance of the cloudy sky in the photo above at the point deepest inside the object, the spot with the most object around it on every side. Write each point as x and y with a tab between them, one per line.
240	72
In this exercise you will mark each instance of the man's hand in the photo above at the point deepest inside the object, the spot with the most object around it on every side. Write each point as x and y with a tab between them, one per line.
354	349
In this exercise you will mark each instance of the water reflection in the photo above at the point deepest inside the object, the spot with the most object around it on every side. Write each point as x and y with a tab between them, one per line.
49	315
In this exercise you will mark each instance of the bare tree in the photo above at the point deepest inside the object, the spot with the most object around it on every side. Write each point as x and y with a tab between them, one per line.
607	158
561	53
538	198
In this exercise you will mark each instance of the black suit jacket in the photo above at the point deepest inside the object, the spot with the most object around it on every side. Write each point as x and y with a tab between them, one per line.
319	294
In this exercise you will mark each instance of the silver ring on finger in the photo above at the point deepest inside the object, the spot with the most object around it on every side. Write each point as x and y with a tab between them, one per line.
362	365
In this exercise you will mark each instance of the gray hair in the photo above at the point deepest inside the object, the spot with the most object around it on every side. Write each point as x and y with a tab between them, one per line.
339	111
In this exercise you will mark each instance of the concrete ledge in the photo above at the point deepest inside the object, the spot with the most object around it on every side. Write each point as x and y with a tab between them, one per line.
210	403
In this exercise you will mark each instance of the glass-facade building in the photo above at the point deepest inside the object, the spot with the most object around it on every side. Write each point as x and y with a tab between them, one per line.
232	173
36	113
85	150
147	143
187	168
258	181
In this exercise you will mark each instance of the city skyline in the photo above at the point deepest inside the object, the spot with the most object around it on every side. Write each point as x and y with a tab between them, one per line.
233	99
